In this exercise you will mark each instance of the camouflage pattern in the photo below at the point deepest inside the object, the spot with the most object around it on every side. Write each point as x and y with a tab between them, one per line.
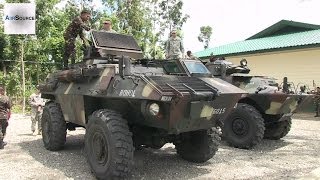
263	90
5	105
174	48
186	103
37	104
134	103
69	51
183	109
74	29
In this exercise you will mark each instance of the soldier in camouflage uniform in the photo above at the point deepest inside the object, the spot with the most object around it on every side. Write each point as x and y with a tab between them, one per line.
107	26
5	106
190	55
317	101
37	104
174	46
74	29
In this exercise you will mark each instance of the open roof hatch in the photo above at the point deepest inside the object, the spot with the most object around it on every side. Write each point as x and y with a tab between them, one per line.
117	44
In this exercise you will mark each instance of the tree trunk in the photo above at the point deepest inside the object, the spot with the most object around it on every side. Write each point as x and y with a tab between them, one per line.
4	69
23	75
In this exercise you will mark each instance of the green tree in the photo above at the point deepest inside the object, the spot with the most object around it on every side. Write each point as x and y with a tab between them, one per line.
146	20
205	35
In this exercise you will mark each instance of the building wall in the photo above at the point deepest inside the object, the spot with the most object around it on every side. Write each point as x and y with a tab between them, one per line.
300	66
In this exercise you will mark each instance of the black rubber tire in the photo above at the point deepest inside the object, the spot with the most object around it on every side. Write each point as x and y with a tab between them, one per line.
54	130
198	146
278	130
244	127
108	144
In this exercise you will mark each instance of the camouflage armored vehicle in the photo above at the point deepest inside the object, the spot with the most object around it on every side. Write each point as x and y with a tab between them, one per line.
124	103
264	113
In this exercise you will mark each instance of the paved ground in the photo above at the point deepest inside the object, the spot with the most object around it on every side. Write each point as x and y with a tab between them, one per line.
294	157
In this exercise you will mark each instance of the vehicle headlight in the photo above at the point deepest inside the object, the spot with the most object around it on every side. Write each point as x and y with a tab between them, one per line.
154	109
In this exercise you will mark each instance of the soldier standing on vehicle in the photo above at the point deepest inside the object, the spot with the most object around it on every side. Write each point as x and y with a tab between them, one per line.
5	111
174	46
107	26
190	55
37	104
317	101
74	29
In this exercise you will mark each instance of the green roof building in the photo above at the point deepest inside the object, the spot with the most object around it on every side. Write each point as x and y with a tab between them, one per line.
287	48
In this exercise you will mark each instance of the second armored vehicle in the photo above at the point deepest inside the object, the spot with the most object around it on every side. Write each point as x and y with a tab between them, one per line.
264	113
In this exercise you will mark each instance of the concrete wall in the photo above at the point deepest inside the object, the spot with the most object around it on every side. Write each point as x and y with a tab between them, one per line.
300	66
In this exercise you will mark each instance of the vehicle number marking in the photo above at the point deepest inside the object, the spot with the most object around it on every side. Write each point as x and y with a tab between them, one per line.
219	111
166	98
127	93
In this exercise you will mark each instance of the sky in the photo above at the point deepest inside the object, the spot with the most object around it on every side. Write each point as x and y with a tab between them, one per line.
236	20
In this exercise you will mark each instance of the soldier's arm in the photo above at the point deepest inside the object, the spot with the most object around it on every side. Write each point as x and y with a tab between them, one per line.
182	47
43	102
82	35
83	25
167	48
32	101
10	104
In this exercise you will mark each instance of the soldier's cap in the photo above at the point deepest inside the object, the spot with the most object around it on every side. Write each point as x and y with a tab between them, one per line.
174	30
85	11
107	21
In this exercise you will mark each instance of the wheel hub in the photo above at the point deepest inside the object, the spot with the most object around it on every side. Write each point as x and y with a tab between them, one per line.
240	126
99	147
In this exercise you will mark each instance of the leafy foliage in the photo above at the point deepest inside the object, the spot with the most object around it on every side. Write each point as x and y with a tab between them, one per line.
205	35
146	20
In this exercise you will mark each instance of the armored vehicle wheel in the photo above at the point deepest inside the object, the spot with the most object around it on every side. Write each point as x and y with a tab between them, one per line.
277	130
244	127
198	146
108	144
53	125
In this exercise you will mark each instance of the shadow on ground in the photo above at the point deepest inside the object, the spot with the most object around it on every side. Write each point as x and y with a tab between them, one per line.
306	116
71	160
165	163
27	134
148	163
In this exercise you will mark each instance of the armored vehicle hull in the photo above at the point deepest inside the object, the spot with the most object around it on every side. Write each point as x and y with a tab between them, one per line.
125	104
264	113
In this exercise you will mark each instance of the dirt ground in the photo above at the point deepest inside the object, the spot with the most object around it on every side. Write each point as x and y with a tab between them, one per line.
294	157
